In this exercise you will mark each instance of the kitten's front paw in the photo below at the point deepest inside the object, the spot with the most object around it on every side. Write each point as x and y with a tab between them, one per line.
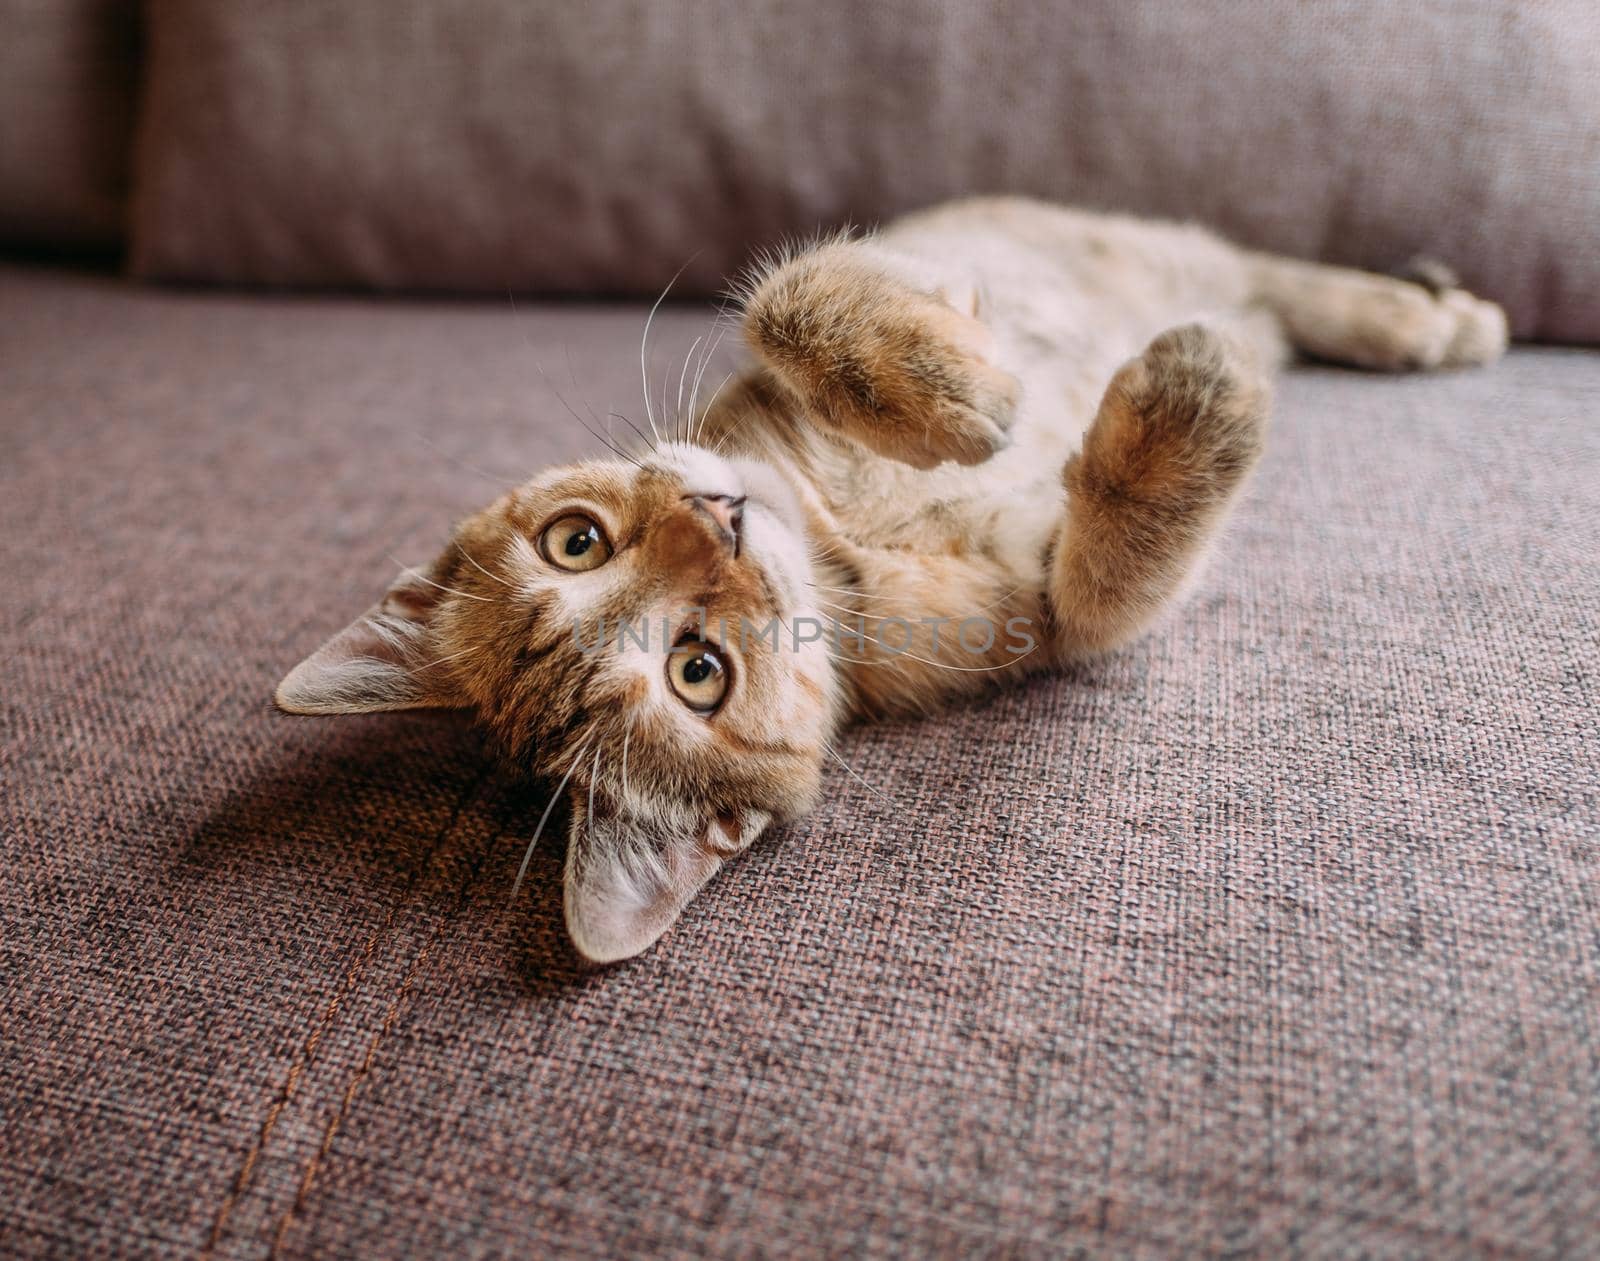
916	386
898	370
1179	426
947	399
939	428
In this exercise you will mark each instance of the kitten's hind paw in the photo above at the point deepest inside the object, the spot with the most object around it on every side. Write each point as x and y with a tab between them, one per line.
1418	320
1450	328
1479	334
1179	426
1178	431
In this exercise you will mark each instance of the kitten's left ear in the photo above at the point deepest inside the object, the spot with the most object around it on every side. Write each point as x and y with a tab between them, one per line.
386	659
628	879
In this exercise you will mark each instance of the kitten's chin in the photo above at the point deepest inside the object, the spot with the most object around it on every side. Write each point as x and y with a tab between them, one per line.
774	521
780	551
764	485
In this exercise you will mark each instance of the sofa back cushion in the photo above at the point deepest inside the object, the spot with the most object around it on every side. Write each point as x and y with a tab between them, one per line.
67	82
493	144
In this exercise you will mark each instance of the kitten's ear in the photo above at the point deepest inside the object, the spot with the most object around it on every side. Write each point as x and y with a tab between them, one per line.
385	659
628	879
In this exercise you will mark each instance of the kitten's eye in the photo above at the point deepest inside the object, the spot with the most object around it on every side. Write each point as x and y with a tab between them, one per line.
575	543
698	675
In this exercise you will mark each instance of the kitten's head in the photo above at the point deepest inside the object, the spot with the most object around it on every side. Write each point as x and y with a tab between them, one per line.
681	735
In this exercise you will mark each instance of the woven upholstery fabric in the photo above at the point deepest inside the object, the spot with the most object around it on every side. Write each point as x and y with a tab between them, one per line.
68	71
1278	932
487	144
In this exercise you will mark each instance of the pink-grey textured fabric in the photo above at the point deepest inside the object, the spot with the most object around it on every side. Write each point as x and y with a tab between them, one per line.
1277	934
494	144
68	73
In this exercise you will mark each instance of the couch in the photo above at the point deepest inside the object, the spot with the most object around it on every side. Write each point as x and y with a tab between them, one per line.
1275	934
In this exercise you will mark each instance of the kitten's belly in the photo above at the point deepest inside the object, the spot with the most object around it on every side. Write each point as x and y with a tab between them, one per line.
1063	321
1006	510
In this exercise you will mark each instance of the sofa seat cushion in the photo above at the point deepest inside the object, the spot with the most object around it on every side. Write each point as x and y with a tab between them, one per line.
1276	932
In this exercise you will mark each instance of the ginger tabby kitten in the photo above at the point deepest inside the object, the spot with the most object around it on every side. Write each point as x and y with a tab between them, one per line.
957	454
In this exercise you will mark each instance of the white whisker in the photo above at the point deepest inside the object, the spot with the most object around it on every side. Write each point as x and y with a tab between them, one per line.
664	422
643	437
710	403
850	770
644	343
700	372
438	661
860	595
562	398
845	608
863	613
937	665
885	617
417	573
626	737
572	411
504	582
684	376
543	819
572	376
827	549
594	778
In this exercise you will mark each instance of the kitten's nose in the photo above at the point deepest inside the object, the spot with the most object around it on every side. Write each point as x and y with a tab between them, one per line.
726	510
